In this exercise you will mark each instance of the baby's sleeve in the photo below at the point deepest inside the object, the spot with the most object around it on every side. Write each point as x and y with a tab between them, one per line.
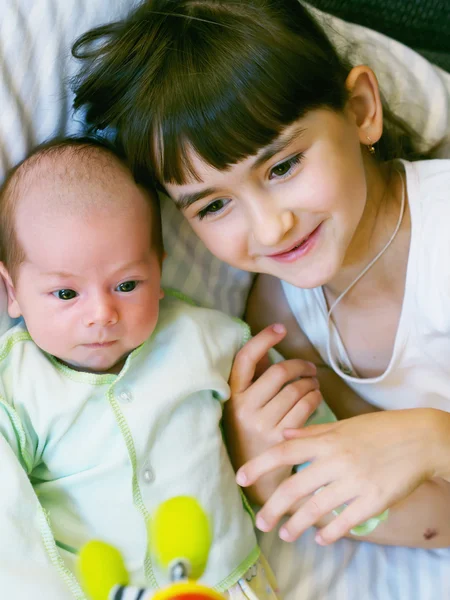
30	564
26	544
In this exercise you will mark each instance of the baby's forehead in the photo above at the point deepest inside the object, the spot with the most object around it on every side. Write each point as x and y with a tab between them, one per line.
72	166
74	180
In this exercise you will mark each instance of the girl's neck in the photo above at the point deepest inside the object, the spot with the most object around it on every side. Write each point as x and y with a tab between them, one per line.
378	223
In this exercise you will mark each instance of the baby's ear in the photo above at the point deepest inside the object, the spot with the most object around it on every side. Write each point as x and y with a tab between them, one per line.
13	306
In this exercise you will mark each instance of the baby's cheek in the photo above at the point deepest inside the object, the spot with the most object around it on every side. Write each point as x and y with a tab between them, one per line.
143	323
53	339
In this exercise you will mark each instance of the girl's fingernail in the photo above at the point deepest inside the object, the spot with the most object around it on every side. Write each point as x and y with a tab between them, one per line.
313	366
284	534
278	328
319	539
261	524
241	478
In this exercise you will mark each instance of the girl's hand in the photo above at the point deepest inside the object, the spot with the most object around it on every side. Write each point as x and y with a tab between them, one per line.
370	462
260	408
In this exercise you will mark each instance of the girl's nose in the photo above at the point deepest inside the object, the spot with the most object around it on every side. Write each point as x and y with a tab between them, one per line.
270	226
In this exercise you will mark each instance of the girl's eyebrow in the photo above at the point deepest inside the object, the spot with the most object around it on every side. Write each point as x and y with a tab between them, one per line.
185	200
277	146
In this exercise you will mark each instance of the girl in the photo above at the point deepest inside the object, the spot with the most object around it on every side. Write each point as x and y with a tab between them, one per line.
285	162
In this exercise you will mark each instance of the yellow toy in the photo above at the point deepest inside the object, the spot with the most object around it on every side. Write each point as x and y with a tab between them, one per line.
181	537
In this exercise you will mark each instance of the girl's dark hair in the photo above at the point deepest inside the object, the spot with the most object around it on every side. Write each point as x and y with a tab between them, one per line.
220	77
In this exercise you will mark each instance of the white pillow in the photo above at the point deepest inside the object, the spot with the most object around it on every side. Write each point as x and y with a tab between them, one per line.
35	41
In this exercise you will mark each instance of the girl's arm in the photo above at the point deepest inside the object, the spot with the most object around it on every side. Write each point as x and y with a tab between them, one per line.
395	459
422	518
266	305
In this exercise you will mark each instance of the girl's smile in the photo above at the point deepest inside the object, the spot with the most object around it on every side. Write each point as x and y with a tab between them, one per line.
300	248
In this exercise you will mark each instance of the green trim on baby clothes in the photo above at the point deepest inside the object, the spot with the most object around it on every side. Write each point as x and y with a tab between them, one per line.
20	336
95	378
19	430
234	577
52	550
82	376
180	296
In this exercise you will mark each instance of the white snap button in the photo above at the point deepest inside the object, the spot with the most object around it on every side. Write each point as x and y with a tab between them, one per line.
148	474
126	397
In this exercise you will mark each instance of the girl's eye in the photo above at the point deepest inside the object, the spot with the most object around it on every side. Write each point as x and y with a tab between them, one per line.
126	286
65	294
215	207
285	168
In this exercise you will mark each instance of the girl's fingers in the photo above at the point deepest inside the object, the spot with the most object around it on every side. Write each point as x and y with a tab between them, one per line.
290	492
302	409
310	431
249	356
320	504
290	452
358	511
281	376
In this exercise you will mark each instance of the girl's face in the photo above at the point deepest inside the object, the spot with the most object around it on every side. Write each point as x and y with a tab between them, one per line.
290	211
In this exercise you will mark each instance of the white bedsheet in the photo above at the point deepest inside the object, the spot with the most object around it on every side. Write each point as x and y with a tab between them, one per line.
350	570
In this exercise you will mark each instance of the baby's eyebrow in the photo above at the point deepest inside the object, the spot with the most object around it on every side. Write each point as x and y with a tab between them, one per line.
59	274
185	200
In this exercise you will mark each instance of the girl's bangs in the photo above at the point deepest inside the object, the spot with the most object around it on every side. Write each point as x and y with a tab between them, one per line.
226	112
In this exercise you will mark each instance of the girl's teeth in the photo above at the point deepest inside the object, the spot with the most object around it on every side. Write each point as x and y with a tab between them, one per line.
301	244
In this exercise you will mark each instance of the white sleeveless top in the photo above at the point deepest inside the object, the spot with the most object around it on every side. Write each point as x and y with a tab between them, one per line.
418	374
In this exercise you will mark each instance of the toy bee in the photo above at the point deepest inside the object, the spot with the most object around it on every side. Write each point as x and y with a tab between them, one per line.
181	537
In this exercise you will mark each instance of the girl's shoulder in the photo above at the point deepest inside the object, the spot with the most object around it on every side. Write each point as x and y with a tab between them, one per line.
428	184
428	181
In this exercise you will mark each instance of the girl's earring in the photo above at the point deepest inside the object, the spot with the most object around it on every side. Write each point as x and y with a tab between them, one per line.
370	147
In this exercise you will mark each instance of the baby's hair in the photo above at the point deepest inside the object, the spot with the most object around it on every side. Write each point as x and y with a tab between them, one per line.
220	77
85	147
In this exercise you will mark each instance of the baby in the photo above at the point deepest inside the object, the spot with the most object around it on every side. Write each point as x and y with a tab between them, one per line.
111	395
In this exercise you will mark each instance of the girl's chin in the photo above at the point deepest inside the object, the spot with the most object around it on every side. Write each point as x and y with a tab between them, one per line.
314	278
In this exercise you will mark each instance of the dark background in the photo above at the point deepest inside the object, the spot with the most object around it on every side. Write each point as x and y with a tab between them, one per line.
424	25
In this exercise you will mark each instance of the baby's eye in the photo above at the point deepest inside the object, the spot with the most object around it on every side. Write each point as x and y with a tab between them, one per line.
65	294
126	286
285	168
215	207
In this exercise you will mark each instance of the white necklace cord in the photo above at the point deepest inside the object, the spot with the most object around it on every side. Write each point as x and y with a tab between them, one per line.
363	272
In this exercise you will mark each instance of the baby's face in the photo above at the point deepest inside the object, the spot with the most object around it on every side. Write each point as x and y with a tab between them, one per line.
89	289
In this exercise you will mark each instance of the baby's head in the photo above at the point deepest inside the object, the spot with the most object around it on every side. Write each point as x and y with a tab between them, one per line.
81	252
